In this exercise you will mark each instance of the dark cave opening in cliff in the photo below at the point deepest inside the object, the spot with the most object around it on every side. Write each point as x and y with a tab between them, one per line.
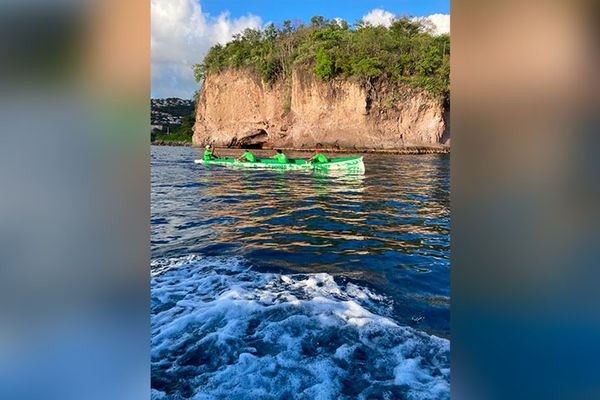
252	140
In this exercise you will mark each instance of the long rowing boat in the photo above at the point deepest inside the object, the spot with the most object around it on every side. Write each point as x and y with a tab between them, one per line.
347	164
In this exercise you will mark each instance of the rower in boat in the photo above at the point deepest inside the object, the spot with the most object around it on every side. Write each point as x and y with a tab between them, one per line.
209	153
247	157
280	157
318	158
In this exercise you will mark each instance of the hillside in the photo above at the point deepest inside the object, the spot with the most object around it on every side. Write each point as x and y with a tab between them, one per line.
326	84
170	112
171	119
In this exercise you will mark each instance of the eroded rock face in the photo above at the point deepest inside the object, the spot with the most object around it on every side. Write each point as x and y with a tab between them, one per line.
236	109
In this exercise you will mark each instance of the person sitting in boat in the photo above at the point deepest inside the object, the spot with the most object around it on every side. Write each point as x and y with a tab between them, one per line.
209	153
247	157
280	157
318	157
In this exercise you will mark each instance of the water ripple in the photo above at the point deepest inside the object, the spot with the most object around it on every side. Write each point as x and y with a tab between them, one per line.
348	291
396	214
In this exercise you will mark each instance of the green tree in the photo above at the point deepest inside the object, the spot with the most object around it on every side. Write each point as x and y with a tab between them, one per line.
324	65
318	22
367	67
199	72
405	52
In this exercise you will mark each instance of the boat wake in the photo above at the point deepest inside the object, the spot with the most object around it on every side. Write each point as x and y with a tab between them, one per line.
221	329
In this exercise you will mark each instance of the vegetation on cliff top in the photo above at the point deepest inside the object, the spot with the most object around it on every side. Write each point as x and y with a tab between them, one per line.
405	52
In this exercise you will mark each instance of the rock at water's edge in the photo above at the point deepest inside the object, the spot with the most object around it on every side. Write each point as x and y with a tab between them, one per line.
236	109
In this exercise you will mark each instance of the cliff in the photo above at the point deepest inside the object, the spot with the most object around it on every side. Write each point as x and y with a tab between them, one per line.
237	109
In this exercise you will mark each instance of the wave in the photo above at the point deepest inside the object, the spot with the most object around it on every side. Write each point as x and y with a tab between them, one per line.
221	329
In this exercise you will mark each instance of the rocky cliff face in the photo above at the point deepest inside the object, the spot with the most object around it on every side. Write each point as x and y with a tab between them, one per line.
237	109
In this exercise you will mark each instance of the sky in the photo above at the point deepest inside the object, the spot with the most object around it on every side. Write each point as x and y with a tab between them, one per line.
184	30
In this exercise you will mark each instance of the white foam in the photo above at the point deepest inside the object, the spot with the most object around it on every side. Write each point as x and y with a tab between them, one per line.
223	330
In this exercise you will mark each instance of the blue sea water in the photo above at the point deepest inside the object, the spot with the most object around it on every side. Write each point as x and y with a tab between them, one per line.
290	285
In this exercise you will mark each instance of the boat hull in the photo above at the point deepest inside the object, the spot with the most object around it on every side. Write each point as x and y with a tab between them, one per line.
349	164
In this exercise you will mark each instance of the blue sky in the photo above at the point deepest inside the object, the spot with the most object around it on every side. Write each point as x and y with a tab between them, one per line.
184	30
350	10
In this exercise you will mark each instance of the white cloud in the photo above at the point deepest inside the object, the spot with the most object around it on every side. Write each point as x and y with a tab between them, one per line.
338	21
379	17
440	23
181	36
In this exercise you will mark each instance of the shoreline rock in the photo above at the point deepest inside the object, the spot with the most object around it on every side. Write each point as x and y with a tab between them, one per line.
170	143
403	150
237	109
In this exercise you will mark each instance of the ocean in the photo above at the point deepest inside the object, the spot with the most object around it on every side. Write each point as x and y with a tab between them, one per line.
292	285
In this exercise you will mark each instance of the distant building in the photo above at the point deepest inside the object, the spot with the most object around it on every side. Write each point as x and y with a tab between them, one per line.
166	115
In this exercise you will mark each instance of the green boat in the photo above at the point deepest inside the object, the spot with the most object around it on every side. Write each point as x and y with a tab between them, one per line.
347	164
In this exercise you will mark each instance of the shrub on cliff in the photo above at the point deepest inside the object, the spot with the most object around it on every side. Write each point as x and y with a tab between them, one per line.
324	65
405	52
